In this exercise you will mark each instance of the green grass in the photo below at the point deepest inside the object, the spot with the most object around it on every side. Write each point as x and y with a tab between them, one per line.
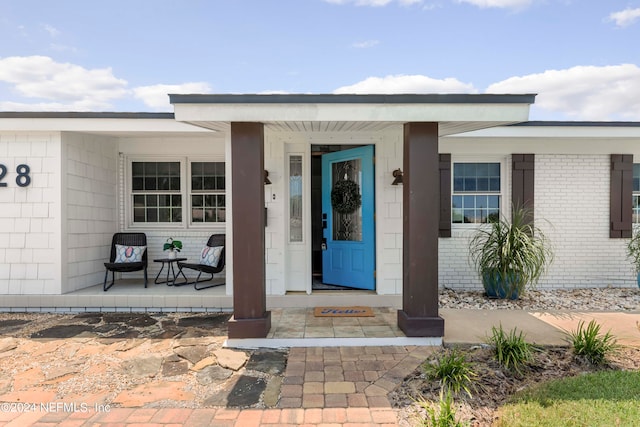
605	398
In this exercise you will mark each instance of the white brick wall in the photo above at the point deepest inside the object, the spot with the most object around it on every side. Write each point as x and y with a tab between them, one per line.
30	216
572	194
572	208
90	176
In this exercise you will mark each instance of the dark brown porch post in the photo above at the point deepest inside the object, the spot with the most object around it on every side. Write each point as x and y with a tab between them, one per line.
420	218
250	316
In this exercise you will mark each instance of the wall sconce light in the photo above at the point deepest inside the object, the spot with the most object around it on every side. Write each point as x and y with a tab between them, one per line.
266	178
397	175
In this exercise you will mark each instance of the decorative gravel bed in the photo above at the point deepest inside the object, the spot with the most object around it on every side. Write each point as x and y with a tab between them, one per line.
591	299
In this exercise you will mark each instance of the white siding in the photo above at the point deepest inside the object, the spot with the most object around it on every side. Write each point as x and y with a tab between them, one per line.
276	204
90	206
30	217
389	213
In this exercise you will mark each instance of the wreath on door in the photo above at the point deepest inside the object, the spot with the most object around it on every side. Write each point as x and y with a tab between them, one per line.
345	196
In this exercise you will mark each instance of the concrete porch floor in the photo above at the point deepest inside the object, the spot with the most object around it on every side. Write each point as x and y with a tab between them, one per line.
127	295
130	295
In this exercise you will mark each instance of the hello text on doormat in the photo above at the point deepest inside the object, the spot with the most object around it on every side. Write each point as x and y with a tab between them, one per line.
343	312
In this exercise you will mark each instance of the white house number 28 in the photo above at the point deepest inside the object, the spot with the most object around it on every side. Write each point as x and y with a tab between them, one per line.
22	180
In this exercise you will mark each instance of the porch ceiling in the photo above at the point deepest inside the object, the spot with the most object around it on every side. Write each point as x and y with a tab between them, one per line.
456	113
445	128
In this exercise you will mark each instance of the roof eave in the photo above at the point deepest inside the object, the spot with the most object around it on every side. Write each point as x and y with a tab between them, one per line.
352	98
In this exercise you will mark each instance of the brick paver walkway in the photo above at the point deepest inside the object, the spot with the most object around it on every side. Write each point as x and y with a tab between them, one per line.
327	417
346	377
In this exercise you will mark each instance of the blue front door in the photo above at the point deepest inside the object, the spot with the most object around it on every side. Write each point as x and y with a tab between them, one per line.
348	256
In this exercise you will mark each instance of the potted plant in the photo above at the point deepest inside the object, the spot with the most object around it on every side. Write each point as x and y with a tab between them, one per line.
509	255
173	246
633	253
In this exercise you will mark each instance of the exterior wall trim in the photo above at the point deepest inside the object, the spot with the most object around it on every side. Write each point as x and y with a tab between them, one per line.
621	196
352	99
445	195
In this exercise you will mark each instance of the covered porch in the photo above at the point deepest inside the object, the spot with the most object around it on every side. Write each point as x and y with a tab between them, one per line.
130	295
419	120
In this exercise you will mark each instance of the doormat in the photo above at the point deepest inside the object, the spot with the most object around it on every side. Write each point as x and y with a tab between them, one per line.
356	311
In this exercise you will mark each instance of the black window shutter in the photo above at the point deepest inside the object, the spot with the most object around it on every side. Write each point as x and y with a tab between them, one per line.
445	195
523	182
621	196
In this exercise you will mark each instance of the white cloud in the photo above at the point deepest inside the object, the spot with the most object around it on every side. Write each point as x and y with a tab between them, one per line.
156	96
53	32
365	44
407	84
55	86
502	4
581	92
626	17
374	3
68	86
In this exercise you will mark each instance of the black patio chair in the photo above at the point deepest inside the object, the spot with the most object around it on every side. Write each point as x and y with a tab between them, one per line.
216	240
131	240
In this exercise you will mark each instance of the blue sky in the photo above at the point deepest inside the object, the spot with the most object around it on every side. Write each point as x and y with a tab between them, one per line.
582	57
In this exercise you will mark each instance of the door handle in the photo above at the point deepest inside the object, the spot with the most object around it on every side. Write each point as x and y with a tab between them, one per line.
324	225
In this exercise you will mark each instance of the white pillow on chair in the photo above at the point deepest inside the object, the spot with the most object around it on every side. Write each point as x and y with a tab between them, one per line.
126	254
210	255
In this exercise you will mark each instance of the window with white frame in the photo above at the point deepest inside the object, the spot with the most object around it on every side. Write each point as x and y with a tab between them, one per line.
636	194
161	192
208	202
476	194
156	189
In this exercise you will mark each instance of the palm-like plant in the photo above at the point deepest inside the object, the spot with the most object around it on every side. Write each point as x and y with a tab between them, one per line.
589	343
509	255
